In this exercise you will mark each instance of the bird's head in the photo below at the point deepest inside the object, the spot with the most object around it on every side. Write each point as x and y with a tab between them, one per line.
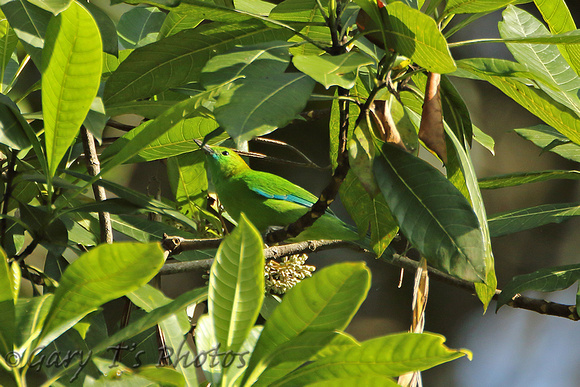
223	162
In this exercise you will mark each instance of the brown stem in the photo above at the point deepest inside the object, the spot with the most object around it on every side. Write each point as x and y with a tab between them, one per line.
277	252
94	168
330	191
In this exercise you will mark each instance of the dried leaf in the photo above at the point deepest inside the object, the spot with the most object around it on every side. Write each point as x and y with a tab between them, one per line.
431	130
384	123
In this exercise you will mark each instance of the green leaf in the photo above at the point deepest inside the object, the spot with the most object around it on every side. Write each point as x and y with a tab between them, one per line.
101	275
206	342
304	12
178	59
107	28
72	65
147	109
484	139
455	112
415	35
188	180
524	219
365	211
486	291
339	70
14	130
543	136
306	347
7	300
435	217
29	317
535	101
29	23
53	6
177	21
174	328
544	61
246	62
475	6
559	19
156	128
262	105
8	42
326	301
515	179
137	198
140	26
175	141
544	280
391	355
236	285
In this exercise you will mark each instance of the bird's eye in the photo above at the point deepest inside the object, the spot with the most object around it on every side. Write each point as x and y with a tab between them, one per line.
225	153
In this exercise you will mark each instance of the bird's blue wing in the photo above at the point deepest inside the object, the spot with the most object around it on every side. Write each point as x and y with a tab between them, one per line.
272	186
286	197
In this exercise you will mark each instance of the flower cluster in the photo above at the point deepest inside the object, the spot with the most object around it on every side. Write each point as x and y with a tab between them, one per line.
283	276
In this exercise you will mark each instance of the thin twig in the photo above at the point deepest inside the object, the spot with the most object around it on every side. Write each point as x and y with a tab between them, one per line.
277	252
330	191
286	145
94	168
119	125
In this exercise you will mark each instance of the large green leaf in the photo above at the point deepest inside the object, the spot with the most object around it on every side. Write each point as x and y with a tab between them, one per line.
54	6
7	301
147	109
236	285
178	59
149	320
259	106
475	6
559	19
326	301
140	200
544	61
14	130
107	28
435	217
544	280
8	42
391	355
177	140
515	179
188	180
29	318
174	328
486	291
415	35
328	70
365	211
140	26
304	348
29	23
535	101
245	62
72	65
527	218
101	275
156	128
177	21
544	136
304	12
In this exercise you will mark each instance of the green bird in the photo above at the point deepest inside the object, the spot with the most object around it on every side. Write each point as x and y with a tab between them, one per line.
266	199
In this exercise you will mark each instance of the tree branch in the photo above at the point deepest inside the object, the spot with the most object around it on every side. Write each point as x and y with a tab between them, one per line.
330	191
175	245
94	168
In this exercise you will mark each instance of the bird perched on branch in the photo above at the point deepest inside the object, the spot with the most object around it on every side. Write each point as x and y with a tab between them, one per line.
266	199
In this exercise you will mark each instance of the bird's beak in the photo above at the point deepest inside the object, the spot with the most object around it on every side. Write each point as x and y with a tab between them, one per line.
204	147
